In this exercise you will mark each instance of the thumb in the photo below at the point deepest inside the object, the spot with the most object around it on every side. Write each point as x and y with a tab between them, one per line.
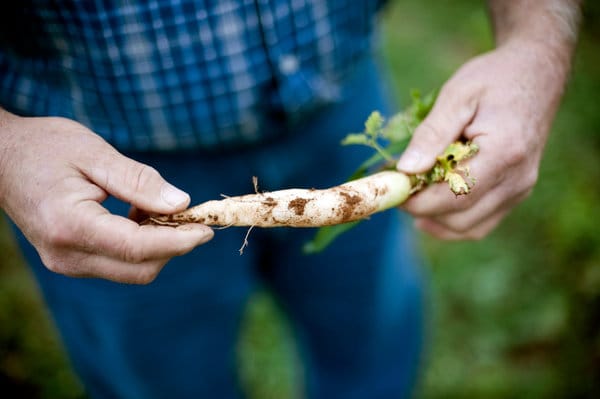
136	183
445	123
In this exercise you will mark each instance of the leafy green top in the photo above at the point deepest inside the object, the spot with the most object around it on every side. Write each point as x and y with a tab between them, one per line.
389	139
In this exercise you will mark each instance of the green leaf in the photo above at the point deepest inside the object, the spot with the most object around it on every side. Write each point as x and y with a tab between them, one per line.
399	127
373	124
325	236
355	138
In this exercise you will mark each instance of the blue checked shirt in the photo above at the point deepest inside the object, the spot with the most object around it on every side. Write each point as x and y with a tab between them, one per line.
180	74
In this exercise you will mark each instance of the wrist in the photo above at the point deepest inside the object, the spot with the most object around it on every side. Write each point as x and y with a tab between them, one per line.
545	67
551	21
547	29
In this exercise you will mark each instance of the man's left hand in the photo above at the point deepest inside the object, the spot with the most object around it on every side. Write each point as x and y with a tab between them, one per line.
504	101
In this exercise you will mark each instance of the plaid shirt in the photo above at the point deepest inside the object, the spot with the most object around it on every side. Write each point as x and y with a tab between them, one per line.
174	74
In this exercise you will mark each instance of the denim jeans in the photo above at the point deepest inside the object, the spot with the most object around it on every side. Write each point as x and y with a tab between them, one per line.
356	308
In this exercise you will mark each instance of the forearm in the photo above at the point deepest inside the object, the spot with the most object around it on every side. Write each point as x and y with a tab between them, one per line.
549	25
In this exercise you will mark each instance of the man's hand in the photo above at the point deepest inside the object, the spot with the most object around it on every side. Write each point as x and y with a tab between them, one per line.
54	174
503	101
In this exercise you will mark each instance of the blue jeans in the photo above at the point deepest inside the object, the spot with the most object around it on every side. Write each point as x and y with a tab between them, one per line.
356	308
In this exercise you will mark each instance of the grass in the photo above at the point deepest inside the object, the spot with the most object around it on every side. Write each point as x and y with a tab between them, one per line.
515	315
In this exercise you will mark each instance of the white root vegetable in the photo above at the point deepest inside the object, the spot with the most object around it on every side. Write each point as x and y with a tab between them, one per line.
354	200
348	202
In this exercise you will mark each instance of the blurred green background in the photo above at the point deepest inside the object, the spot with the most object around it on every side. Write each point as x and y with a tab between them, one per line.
514	315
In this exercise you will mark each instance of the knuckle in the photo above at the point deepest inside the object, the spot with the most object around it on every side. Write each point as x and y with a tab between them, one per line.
525	186
464	229
131	254
459	223
517	154
141	176
58	229
52	263
57	263
430	132
58	233
147	274
461	227
530	180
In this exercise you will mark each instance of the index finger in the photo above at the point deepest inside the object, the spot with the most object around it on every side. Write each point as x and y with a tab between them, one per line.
453	110
119	237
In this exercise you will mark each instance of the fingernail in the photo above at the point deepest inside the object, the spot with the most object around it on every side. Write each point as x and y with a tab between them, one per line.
173	196
410	161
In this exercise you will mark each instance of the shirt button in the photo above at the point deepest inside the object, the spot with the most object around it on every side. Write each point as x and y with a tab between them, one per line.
288	64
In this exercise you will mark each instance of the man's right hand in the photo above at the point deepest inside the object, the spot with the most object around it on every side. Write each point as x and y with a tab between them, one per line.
54	175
